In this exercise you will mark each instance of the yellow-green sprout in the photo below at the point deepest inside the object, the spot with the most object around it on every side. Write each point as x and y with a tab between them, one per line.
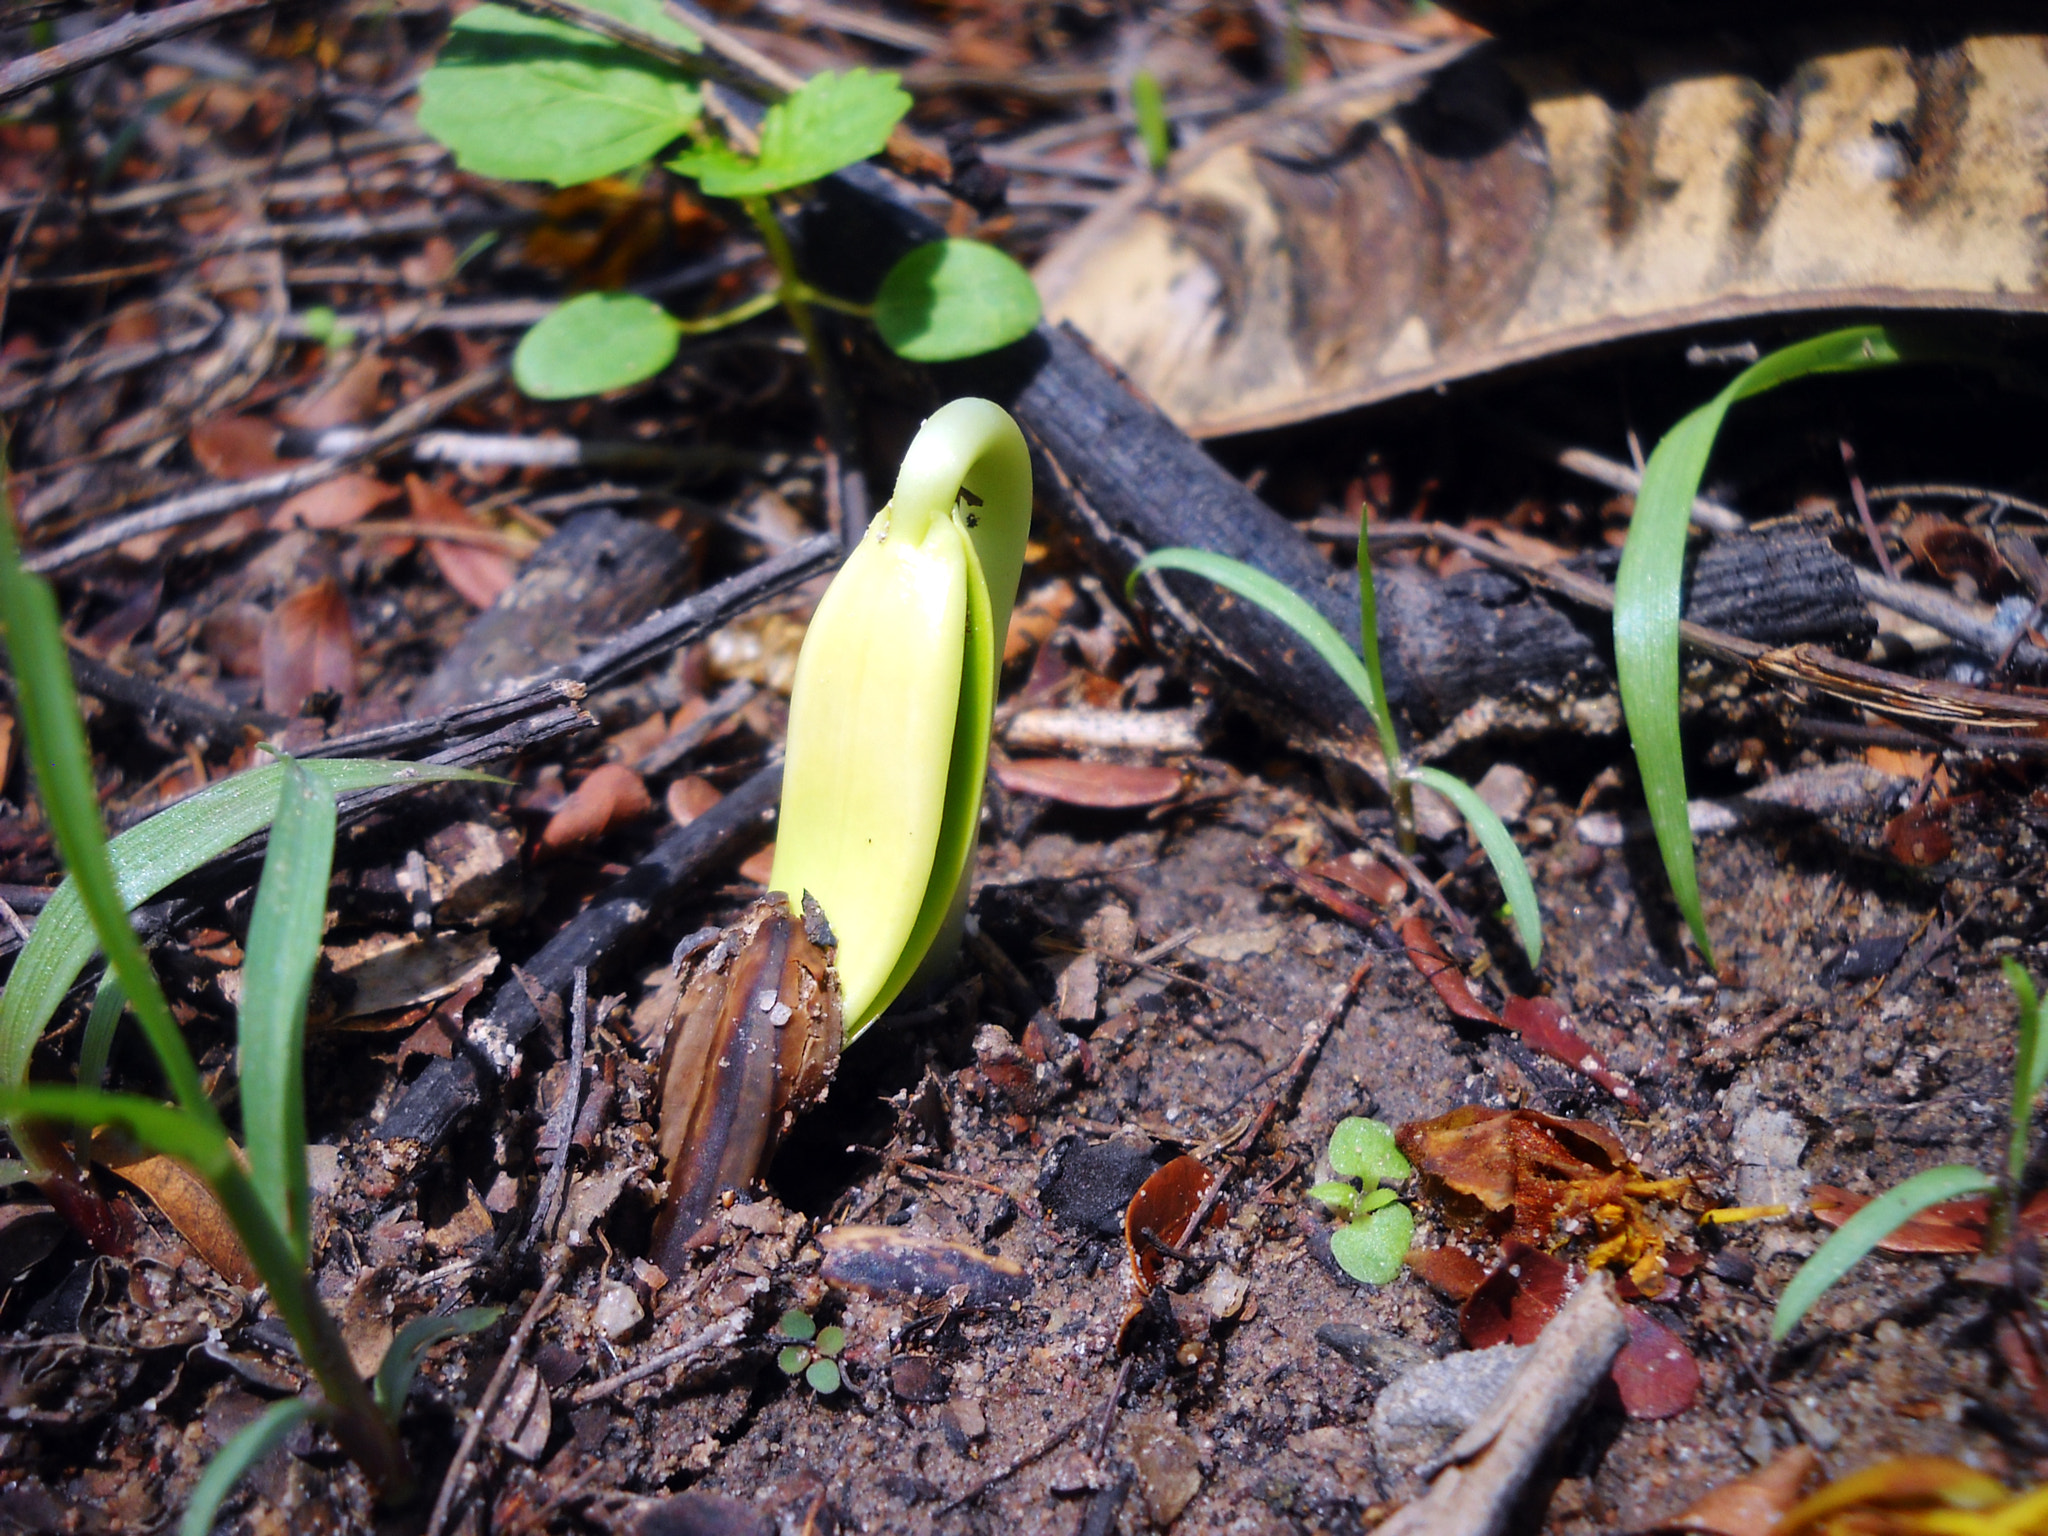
895	688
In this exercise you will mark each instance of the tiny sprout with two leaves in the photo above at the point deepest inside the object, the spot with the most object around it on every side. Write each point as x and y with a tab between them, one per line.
812	1352
1377	1227
528	99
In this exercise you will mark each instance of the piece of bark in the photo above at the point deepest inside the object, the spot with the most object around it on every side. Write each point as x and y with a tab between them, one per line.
1488	1466
595	576
600	940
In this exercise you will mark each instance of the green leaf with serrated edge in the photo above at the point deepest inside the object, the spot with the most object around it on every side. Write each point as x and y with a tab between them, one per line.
285	927
1647	595
831	1341
1372	1249
146	858
823	1377
1501	852
593	343
792	1359
2030	1064
833	120
249	1445
1278	599
1373	1200
1339	1196
1865	1230
1364	1149
401	1360
953	299
528	99
797	1325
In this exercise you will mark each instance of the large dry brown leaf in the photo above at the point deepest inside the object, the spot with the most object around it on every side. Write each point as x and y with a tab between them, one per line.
309	645
190	1207
1317	256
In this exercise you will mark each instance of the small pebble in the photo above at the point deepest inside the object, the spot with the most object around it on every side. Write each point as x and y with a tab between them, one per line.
618	1311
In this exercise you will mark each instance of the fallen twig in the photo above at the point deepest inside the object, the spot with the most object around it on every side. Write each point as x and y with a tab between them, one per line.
124	36
232	497
1488	1466
723	1334
1012	1467
561	1127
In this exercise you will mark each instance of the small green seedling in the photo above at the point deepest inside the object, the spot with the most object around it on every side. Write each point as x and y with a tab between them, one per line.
261	1186
812	1352
890	712
534	100
1377	1228
1148	106
1855	1238
1360	672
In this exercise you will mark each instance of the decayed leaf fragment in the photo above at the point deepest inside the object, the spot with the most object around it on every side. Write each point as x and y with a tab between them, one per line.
1954	1226
1162	1214
1321	255
755	1040
1534	1178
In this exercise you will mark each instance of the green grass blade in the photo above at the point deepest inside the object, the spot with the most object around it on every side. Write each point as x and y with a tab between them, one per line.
1284	604
1148	106
2029	1067
251	1443
50	720
1865	1230
108	1004
1647	588
1369	648
1500	848
161	1127
146	858
402	1360
277	978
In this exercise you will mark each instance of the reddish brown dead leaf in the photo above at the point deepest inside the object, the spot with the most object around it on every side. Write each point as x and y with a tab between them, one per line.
610	798
308	646
1534	1178
344	402
1752	1505
758	866
1451	1272
1369	877
1920	837
1442	972
1952	549
1548	1029
1954	1226
1162	1211
478	574
1513	1303
1656	1373
334	503
690	797
236	447
190	1207
1097	786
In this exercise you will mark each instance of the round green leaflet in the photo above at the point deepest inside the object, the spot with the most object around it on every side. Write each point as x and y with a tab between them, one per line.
952	299
593	343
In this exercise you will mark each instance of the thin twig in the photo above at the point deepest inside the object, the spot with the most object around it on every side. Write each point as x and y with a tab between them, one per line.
1012	1467
558	1268
124	36
1884	558
219	499
561	1126
724	1333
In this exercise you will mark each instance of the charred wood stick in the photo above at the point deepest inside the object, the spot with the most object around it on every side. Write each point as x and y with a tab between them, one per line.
124	36
597	940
